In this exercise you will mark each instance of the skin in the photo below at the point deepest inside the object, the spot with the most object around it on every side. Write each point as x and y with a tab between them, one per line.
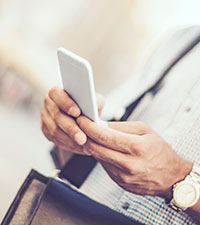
133	154
58	121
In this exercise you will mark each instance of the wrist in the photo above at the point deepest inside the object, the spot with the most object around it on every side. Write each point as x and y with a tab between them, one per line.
186	192
182	168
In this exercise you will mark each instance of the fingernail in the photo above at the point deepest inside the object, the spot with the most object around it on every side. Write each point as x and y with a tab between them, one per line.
85	151
80	138
74	111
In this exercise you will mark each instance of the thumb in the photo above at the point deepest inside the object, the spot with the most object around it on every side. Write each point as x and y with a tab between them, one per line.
129	127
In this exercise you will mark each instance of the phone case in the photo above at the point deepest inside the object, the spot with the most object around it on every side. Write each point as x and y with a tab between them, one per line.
77	78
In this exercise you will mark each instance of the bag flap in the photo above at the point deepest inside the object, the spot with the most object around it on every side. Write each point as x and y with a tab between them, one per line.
48	201
64	206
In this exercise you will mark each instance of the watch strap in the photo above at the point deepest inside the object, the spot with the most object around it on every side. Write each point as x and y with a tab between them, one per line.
192	177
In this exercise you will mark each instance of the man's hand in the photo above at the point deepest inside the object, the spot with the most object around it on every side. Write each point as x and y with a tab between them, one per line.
135	156
58	121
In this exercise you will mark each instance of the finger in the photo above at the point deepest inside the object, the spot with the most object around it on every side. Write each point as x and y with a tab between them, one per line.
129	127
64	102
68	144
110	138
46	132
50	138
54	118
49	122
69	126
73	149
100	102
107	155
51	107
69	147
63	141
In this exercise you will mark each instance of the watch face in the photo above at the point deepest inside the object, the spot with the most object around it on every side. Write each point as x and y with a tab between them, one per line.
185	194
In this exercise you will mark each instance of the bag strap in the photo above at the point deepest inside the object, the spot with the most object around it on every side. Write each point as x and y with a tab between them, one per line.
79	166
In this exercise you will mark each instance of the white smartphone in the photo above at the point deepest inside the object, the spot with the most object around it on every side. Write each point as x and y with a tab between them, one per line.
77	79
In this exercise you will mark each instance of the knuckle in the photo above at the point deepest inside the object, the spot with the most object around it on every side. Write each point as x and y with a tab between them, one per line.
136	145
54	131
71	128
46	134
132	170
42	114
89	147
128	167
127	179
42	126
46	100
56	115
124	178
103	138
136	169
131	167
132	148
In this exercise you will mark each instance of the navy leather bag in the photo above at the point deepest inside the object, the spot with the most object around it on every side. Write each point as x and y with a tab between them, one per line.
49	201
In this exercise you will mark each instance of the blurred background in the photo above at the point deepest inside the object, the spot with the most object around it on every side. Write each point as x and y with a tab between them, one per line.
114	35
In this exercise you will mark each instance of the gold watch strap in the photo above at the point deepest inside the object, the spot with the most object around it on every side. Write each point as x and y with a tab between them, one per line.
194	177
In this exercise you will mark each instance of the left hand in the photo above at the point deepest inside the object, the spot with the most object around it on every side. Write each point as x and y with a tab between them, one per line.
135	156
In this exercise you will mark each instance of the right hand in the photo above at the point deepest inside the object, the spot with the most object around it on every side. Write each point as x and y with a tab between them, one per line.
58	121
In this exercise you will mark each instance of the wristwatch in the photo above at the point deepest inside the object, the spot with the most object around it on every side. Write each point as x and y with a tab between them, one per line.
186	193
